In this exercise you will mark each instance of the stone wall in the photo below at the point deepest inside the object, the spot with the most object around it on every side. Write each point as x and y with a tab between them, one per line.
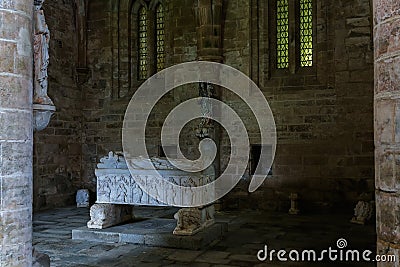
387	48
105	102
323	116
57	149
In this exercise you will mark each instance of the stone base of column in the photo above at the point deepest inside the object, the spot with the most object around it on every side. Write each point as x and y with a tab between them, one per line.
192	220
106	215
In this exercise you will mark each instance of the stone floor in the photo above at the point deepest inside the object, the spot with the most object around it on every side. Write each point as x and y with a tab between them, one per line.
248	232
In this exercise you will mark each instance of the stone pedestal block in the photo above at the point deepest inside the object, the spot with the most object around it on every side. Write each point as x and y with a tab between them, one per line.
192	220
106	215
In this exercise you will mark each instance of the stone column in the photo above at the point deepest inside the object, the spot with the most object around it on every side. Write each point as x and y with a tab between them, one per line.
82	71
16	132
387	126
209	48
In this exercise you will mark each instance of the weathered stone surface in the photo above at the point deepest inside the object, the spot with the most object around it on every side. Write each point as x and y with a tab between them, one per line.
16	133
16	157
363	212
116	184
387	75
16	122
155	232
58	148
40	259
82	198
192	220
14	93
106	215
14	190
385	9
388	221
387	170
390	253
248	232
387	126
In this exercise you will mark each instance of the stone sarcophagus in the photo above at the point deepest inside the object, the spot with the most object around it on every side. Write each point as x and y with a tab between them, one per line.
117	189
115	184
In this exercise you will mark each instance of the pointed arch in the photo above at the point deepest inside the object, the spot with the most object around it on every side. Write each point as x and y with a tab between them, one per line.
138	45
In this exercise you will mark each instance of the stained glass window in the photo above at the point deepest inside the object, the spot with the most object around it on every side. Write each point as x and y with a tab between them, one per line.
282	30
160	34
306	33
143	62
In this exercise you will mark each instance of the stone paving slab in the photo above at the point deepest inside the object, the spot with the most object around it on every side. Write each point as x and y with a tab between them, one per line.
248	232
156	232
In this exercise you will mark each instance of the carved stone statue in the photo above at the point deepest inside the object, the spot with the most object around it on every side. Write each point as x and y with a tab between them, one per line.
82	198
43	107
41	55
363	212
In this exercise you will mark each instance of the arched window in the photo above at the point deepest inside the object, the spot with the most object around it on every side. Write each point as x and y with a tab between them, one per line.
282	34
160	38
151	33
143	43
306	33
293	21
139	40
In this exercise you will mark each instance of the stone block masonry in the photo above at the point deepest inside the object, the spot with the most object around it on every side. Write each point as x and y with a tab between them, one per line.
58	148
387	118
16	132
324	116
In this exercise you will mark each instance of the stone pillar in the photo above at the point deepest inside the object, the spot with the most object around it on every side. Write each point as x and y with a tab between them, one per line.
209	48
209	29
387	126
16	132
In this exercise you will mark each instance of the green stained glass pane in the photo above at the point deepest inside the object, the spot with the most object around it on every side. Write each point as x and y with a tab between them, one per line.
306	33
282	40
160	34
143	23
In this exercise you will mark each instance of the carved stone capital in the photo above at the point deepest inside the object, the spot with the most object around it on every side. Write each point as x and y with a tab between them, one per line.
363	212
